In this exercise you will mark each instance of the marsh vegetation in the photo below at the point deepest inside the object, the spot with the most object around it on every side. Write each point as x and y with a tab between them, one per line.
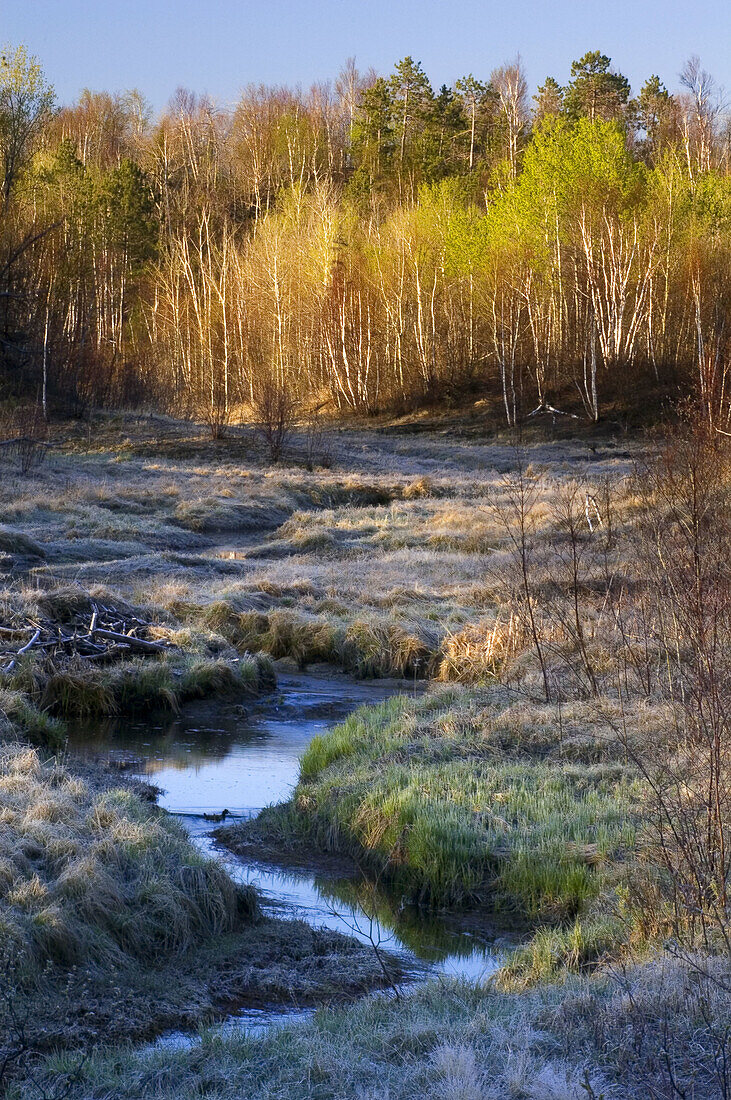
567	607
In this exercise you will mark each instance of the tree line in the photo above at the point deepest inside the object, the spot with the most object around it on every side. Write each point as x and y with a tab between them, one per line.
368	244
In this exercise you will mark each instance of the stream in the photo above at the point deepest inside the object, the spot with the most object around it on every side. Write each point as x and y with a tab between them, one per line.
243	758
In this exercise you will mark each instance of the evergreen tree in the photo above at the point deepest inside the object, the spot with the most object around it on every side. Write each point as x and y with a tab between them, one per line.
445	134
655	115
595	91
475	95
372	143
548	100
412	102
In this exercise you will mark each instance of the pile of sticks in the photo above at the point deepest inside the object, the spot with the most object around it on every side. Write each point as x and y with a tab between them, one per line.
105	636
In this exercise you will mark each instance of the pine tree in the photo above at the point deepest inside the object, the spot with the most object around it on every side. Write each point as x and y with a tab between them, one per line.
595	91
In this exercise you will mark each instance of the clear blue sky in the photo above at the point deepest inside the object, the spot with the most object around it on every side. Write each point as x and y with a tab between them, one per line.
218	46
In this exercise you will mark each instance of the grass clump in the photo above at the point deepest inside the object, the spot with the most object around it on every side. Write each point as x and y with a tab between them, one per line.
375	648
79	693
97	877
457	800
203	678
479	651
22	718
19	544
306	641
43	695
365	647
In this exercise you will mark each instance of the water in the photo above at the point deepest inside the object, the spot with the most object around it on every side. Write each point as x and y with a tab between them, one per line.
243	758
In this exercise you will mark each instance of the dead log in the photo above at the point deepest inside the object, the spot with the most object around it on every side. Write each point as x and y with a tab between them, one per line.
135	643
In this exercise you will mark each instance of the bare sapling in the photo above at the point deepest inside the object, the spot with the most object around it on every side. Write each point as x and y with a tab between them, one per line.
684	554
276	407
514	508
24	438
578	522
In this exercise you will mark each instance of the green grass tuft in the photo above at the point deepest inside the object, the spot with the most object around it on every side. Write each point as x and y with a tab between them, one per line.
436	796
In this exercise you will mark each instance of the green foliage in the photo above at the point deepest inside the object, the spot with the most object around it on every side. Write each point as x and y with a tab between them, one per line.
549	100
404	134
26	102
372	137
655	109
583	164
126	202
595	91
134	247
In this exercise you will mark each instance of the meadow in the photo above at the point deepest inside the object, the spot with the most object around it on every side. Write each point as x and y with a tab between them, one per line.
532	773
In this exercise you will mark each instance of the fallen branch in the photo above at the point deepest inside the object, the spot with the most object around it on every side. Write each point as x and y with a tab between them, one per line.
107	637
29	645
135	643
554	412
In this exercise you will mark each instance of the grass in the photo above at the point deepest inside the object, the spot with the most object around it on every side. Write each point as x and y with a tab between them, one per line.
39	697
90	877
112	926
623	1037
42	692
397	562
377	565
18	715
19	544
366	647
460	799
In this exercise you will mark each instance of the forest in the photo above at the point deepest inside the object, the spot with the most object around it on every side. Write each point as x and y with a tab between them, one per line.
368	245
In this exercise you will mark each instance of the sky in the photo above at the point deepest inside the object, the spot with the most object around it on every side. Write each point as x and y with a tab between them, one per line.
220	46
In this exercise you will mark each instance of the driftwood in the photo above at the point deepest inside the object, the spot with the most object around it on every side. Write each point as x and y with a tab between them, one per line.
130	640
103	636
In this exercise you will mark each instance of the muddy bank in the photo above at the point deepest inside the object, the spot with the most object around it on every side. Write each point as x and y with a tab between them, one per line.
280	966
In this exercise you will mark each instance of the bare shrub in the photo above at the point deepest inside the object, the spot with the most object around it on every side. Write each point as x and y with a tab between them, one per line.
275	407
514	507
216	413
684	553
577	523
24	438
318	451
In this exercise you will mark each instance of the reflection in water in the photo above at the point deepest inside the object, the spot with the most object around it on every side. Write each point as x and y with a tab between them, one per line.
217	757
464	948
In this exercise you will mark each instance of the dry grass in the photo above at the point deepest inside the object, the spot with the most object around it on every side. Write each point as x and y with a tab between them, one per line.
145	514
113	927
93	877
627	1036
479	651
400	561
